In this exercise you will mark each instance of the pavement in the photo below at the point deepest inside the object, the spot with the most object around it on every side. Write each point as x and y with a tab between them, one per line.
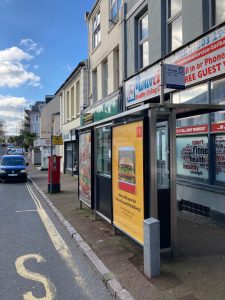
195	272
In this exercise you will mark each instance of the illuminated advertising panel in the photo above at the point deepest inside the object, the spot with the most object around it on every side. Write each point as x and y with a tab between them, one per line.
85	167
128	184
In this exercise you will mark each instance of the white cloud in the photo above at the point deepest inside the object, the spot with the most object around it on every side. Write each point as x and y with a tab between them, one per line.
14	54
13	73
11	111
31	46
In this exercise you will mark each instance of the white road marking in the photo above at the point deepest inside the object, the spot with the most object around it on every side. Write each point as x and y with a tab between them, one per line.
50	289
28	210
58	242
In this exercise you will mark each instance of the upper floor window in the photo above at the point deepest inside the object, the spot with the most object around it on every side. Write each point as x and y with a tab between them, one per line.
143	42
96	30
115	6
175	37
72	101
94	86
218	9
105	78
78	98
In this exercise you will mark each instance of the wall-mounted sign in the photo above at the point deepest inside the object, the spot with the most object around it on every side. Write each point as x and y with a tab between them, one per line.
57	140
85	167
128	182
203	59
192	129
144	86
218	127
102	111
73	134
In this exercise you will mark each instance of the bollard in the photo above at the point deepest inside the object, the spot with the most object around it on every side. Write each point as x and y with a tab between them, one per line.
151	247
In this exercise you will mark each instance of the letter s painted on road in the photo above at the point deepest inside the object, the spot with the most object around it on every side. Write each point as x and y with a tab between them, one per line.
22	271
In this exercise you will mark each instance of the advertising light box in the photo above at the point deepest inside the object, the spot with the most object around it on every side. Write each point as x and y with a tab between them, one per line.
85	167
127	173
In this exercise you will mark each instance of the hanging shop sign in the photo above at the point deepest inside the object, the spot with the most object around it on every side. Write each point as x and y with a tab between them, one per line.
202	60
66	136
192	156
220	157
85	167
102	111
192	129
128	182
174	77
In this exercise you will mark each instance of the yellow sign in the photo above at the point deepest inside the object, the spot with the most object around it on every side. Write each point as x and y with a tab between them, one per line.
57	140
128	187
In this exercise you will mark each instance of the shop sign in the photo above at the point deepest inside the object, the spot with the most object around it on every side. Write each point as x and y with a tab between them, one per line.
102	111
57	140
85	167
42	142
220	158
66	136
144	86
192	156
202	59
128	182
217	127
192	129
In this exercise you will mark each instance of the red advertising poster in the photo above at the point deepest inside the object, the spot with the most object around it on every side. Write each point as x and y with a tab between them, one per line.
85	167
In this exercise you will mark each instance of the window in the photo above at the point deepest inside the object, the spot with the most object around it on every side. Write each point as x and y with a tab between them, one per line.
68	105
220	157
94	86
96	30
218	10
104	150
37	118
143	42
78	98
218	97
175	38
115	6
72	101
105	79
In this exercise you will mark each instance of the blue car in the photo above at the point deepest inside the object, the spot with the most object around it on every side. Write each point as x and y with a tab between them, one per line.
13	168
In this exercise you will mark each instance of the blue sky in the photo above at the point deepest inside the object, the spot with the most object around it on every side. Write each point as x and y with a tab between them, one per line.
41	42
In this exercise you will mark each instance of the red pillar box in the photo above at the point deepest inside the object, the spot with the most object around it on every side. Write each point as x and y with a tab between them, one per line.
54	172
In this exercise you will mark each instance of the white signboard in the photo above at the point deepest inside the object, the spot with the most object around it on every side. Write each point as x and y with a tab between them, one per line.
42	142
174	76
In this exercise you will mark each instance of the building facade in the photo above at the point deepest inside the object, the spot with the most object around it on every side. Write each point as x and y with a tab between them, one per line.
73	98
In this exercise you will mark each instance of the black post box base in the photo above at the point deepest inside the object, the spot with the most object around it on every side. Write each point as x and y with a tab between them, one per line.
55	188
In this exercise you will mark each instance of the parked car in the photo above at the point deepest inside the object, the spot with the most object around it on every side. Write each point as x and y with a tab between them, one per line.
16	151
9	148
13	167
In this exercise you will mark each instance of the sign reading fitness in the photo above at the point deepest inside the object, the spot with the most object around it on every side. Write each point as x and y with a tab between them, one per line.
128	188
202	60
85	167
192	156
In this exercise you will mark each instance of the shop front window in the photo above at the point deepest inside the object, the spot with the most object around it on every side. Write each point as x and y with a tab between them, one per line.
218	97
220	157
192	156
69	156
104	151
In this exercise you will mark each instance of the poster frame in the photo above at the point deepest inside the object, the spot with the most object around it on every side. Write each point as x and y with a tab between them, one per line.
146	205
82	199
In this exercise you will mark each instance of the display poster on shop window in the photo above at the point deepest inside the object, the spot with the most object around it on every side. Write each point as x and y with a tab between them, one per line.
128	187
85	167
220	157
192	156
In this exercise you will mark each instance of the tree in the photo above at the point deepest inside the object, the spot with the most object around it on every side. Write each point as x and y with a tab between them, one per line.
2	131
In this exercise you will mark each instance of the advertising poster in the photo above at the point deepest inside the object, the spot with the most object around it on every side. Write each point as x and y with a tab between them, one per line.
128	186
192	156
85	167
220	158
